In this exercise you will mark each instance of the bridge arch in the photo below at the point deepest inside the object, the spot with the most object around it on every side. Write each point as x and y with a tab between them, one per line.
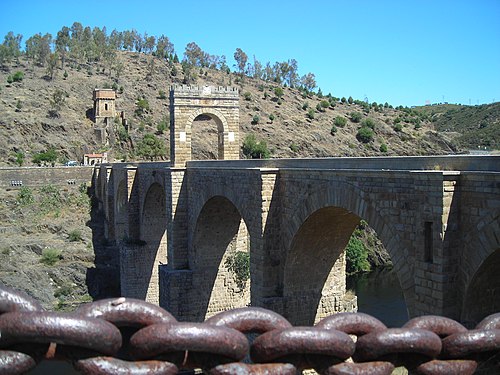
316	251
189	102
220	236
153	239
480	272
121	207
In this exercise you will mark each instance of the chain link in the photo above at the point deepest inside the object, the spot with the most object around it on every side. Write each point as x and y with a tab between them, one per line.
128	336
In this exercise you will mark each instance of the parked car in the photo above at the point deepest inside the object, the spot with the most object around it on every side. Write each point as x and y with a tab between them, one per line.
71	163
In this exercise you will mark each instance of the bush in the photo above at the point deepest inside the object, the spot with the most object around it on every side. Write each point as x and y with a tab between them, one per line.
49	156
340	121
356	116
398	127
310	114
10	79
163	125
20	158
319	108
142	107
255	119
294	147
370	123
254	149
305	106
247	95
278	91
18	76
50	256
162	94
325	104
25	196
383	147
356	256
75	236
239	264
365	134
272	117
333	130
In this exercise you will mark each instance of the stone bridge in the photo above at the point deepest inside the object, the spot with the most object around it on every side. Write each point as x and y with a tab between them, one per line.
179	228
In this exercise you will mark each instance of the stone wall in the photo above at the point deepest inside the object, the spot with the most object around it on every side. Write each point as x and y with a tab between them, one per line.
15	178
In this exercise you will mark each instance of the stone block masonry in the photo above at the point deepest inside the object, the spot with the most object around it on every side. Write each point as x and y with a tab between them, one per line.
440	227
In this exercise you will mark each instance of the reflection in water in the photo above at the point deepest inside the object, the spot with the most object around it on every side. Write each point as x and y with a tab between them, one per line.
380	295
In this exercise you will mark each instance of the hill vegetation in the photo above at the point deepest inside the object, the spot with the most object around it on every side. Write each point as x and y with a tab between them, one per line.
46	100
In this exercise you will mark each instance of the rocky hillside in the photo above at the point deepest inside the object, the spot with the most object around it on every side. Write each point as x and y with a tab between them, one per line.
292	124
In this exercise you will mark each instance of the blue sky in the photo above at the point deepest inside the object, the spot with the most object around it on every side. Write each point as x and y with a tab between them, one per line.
402	52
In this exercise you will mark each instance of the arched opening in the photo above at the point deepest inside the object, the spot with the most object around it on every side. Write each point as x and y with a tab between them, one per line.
318	250
206	137
153	240
105	106
220	239
483	294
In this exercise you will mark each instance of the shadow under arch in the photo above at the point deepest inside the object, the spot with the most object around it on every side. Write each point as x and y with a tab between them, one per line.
319	232
153	242
222	128
483	293
220	232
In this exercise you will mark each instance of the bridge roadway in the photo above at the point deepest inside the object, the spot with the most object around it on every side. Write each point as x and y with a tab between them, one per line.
177	230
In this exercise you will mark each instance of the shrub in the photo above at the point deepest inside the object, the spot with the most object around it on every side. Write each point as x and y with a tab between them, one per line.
25	196
370	123
51	197
340	121
162	94
254	149
20	158
305	106
357	256
163	125
294	147
325	103
350	100
383	147
278	91
18	76
247	95
255	119
355	116
50	256
319	108
75	236
310	114
271	117
365	134
398	127
343	100
333	130
10	79
142	107
65	75
49	156
239	264
19	105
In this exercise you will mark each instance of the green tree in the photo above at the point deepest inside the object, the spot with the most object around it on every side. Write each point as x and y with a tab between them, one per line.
357	256
11	47
254	149
52	60
241	59
356	116
365	134
369	122
151	147
142	107
63	40
57	100
340	121
49	156
164	48
308	81
350	100
278	91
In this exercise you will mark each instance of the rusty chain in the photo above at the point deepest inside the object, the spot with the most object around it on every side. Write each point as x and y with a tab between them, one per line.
128	336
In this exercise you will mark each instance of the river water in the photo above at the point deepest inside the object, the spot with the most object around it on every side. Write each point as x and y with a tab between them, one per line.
380	295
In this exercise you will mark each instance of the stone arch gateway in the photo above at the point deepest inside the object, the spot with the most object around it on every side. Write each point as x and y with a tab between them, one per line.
189	102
